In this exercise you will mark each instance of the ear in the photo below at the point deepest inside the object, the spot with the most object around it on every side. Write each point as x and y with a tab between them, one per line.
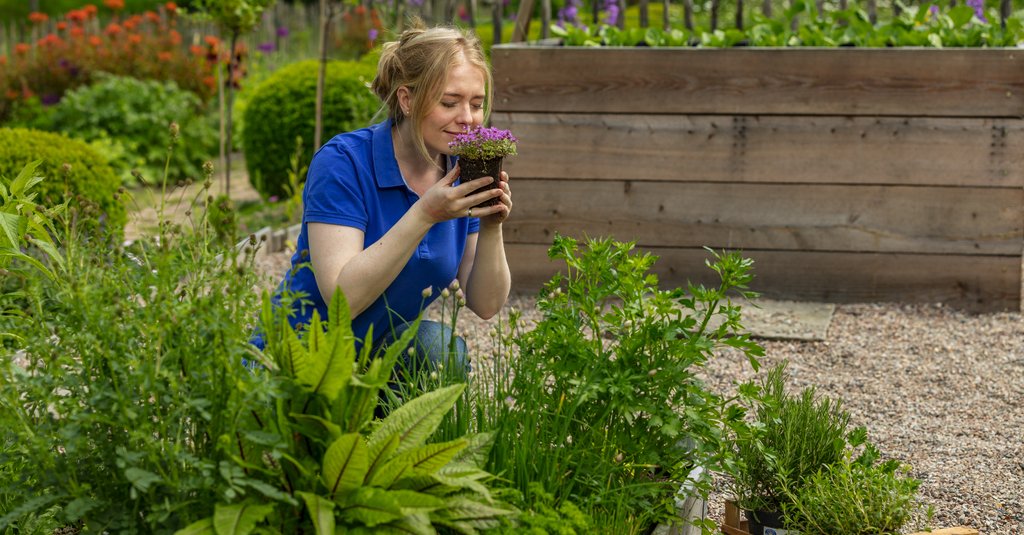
405	99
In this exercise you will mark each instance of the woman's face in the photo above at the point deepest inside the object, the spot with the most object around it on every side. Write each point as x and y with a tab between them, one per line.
461	107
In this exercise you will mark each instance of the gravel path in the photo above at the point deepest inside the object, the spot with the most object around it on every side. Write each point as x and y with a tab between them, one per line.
937	388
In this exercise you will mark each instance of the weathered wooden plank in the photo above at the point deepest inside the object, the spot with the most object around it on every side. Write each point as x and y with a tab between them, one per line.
801	217
978	283
838	150
914	82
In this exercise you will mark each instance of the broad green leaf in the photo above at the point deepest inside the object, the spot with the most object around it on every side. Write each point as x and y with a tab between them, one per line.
415	421
26	179
410	524
201	527
391	472
47	247
141	479
320	426
476	514
345	464
238	519
413	502
370	506
13	227
477	449
321	510
378	455
430	458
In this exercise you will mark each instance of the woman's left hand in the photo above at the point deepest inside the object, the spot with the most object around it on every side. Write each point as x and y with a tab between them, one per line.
497	214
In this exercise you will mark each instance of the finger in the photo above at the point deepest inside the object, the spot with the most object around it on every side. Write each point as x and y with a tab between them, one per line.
452	175
504	176
469	187
483	196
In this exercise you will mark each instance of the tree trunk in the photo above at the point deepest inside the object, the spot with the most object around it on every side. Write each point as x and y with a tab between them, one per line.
1004	13
666	24
714	14
645	20
621	21
739	14
325	31
496	16
471	6
233	64
545	18
688	14
766	8
873	11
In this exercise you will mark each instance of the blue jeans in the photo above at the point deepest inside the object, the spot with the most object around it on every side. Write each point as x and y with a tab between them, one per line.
431	345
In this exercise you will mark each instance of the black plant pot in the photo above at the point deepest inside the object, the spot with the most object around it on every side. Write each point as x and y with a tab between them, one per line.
765	523
470	169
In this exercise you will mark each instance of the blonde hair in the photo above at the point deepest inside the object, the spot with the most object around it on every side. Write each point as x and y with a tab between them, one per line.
420	60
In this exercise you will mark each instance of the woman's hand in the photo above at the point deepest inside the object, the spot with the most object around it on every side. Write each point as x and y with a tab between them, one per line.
443	201
495	215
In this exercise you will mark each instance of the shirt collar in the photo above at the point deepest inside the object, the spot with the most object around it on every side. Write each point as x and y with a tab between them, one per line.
385	165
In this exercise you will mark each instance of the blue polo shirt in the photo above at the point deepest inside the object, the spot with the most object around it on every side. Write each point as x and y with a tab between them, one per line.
353	180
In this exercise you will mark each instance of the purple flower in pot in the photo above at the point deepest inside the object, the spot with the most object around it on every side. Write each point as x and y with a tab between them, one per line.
481	151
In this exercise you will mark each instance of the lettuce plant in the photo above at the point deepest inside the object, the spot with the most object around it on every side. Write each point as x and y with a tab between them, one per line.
313	459
602	403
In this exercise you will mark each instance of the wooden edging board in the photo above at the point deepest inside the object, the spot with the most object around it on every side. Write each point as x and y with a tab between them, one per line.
732	525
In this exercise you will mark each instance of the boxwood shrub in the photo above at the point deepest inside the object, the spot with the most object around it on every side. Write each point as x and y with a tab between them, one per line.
282	109
88	176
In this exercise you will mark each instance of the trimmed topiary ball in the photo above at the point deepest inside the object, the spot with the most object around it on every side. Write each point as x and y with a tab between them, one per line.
87	174
282	108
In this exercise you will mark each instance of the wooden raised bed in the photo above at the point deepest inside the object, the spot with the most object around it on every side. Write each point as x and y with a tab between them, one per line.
732	525
846	174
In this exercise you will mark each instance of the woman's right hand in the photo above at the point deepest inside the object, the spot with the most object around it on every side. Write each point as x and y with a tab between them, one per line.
443	201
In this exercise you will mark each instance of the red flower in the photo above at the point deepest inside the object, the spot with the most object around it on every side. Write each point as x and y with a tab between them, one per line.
164	56
12	94
21	49
91	9
210	81
115	5
113	29
197	50
95	40
38	18
134	38
360	10
3	60
152	16
171	7
77	32
212	41
61	26
175	37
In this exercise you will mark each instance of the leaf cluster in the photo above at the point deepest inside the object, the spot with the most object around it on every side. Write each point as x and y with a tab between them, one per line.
604	402
314	459
801	25
123	380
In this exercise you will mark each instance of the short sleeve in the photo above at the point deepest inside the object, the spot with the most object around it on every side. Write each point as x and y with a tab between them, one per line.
332	193
474	225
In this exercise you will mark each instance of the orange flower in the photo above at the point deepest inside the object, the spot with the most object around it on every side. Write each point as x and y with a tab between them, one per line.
134	38
113	29
360	10
197	50
164	56
61	26
21	49
12	94
50	39
152	16
210	81
175	37
38	18
115	5
3	60
171	7
91	9
77	15
212	41
95	40
130	24
77	32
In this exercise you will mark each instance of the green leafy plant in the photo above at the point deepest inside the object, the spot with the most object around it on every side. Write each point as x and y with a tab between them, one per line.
859	496
601	402
316	460
791	439
72	171
278	112
134	114
125	381
23	222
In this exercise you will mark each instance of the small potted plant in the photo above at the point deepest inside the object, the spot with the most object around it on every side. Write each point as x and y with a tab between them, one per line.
481	151
791	439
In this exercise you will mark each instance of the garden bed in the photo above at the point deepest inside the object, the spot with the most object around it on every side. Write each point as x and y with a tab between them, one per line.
849	175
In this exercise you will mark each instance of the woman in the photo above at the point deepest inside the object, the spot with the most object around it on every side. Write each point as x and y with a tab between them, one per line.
386	219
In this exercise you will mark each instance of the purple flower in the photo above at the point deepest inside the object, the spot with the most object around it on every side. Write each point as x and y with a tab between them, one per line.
267	47
570	13
372	35
282	31
934	10
483	143
979	9
416	3
612	9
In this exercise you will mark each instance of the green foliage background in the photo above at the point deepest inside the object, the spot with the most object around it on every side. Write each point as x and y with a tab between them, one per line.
280	110
89	176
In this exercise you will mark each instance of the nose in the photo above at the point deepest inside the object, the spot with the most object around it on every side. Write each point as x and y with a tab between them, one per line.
465	117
